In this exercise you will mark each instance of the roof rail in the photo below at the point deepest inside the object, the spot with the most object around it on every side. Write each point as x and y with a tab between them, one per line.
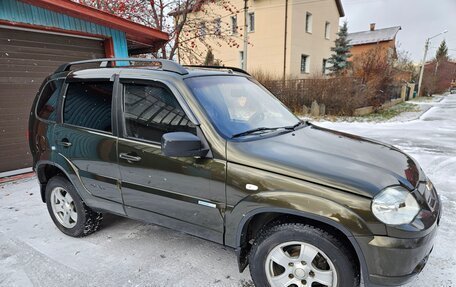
166	65
218	67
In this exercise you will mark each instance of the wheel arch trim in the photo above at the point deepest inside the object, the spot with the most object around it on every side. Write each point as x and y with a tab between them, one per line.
43	163
305	215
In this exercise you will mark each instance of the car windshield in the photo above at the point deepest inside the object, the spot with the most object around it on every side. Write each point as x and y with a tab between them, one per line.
238	106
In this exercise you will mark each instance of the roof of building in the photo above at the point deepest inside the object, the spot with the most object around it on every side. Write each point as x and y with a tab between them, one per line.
375	36
134	31
340	8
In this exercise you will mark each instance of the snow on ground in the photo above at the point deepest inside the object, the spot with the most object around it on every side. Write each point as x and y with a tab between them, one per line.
431	140
130	253
33	252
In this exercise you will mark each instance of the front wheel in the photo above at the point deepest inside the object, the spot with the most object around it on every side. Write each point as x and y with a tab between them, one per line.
68	211
298	255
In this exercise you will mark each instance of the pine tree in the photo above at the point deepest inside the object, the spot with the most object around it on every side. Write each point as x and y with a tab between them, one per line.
442	52
339	59
210	59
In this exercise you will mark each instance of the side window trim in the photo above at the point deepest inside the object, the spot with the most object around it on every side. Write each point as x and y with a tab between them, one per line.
61	105
121	107
58	100
116	112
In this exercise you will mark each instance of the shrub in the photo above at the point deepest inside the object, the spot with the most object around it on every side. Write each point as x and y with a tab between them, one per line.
341	95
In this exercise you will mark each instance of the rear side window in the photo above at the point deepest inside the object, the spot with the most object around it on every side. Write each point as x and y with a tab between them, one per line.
151	111
47	104
88	104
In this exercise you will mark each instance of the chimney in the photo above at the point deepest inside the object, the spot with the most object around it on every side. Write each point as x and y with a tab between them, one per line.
372	26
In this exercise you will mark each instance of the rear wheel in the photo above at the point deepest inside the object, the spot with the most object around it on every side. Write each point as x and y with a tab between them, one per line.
298	255
68	211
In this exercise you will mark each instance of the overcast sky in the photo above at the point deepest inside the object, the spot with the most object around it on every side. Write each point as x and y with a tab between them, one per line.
419	20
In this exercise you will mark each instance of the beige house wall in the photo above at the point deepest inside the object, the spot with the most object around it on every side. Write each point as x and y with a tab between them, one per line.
313	44
266	48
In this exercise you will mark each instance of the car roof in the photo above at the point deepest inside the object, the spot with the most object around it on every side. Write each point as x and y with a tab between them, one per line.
107	67
131	72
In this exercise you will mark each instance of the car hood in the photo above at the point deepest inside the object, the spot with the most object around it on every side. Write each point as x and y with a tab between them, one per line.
330	158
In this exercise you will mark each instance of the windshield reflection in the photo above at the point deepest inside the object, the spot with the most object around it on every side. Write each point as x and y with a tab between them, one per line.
237	105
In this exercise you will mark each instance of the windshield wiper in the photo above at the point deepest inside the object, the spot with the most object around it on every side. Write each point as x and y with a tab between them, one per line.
253	131
293	127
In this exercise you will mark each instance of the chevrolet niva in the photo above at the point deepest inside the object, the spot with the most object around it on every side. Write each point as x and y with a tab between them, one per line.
210	152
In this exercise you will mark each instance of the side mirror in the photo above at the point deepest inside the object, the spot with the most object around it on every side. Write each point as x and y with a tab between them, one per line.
182	144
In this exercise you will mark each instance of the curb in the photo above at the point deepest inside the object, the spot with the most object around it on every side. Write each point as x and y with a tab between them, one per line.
16	177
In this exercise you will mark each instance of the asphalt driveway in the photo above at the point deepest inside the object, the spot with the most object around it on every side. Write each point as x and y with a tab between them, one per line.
130	253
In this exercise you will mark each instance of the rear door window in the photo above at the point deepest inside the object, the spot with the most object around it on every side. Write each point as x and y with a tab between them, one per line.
47	104
89	105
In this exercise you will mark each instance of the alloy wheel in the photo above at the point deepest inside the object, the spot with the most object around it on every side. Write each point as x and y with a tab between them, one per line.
299	264
64	207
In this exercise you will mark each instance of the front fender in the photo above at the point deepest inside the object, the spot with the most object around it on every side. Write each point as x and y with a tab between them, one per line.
293	203
307	206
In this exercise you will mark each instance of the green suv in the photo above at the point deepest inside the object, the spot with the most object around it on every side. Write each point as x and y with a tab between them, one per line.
210	152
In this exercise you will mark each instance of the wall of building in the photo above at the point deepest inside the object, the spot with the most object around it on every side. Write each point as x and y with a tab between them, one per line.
16	11
385	46
266	48
438	77
265	51
313	44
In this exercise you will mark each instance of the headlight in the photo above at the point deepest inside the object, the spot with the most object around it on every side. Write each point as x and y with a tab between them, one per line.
395	205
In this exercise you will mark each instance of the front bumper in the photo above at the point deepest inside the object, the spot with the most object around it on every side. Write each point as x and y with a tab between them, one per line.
395	261
392	261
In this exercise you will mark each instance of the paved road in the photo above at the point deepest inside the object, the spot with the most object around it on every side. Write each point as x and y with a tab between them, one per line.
129	253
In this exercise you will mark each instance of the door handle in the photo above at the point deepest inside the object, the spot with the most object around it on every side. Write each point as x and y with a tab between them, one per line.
129	157
64	142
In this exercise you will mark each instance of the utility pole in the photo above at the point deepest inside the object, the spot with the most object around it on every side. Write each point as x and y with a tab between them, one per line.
285	42
426	47
246	38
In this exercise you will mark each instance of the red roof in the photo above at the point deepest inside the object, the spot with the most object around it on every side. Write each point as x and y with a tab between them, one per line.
135	32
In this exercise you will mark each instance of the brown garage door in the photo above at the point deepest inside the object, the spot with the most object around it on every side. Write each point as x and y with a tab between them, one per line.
26	58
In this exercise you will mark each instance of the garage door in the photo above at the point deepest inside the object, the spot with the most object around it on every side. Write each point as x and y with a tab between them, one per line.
26	58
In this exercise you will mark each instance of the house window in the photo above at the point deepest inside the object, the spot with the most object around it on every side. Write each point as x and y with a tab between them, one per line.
251	22
202	29
218	26
241	59
325	61
308	22
304	64
327	30
234	26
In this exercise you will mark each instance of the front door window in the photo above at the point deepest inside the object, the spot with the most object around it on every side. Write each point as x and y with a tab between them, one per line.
151	111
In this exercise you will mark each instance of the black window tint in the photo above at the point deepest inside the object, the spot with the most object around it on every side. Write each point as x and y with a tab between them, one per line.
88	104
47	105
151	111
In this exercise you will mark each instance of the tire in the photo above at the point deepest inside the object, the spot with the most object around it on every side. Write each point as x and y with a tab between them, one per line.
289	239
62	199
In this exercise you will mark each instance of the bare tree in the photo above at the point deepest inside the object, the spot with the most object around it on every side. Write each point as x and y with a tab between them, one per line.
405	63
176	17
375	69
